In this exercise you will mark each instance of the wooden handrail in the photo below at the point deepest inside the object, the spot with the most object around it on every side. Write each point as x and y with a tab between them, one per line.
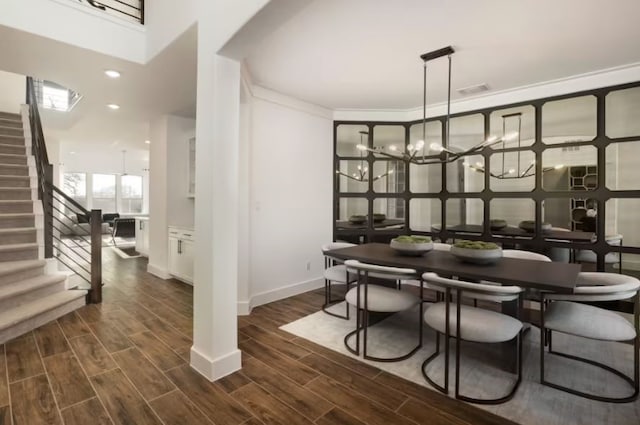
49	193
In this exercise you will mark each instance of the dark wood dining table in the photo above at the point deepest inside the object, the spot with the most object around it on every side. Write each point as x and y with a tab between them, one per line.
546	276
516	232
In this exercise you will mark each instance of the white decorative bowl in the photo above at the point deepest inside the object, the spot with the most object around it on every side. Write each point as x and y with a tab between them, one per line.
477	256
411	249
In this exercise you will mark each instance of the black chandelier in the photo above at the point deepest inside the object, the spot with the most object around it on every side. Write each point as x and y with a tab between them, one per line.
363	169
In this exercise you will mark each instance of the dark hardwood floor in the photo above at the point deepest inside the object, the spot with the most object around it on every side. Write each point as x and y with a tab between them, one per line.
126	362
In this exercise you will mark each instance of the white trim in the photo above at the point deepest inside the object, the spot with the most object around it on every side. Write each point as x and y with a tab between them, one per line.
214	369
157	271
285	292
274	97
244	308
577	83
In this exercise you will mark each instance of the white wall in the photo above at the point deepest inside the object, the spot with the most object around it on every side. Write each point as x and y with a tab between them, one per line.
291	197
168	201
77	24
12	92
165	20
180	208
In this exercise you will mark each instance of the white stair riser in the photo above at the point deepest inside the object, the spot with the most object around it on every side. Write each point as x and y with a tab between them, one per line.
19	255
32	295
21	275
39	320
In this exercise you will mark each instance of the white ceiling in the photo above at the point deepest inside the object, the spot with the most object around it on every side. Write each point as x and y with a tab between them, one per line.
166	85
364	54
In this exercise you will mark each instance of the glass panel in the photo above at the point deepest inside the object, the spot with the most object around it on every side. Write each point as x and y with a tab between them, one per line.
511	212
434	136
622	166
622	226
425	178
466	132
388	138
104	192
131	187
570	169
388	213
424	213
630	265
348	137
389	177
623	110
465	175
351	208
353	176
75	186
569	120
465	215
513	171
507	121
557	212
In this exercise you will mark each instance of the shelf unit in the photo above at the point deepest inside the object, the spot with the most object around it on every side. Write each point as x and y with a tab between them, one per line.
582	178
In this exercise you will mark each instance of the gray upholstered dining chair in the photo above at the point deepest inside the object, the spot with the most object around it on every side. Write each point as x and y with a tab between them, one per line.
335	273
367	297
611	258
567	314
472	324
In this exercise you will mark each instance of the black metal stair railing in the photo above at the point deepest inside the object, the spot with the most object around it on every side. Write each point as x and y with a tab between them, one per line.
77	247
130	9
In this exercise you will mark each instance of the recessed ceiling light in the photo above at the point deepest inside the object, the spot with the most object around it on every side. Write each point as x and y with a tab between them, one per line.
72	153
113	106
148	142
112	73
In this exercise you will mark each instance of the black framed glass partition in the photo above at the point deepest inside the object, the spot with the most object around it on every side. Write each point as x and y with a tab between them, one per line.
571	168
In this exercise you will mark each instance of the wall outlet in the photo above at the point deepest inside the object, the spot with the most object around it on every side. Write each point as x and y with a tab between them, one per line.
308	266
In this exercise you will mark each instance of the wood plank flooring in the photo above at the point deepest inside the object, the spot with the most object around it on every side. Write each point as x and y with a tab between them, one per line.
126	362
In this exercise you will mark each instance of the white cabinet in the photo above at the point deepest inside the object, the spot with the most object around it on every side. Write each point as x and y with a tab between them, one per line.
181	253
142	235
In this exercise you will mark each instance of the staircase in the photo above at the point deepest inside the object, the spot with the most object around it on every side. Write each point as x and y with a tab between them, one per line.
29	296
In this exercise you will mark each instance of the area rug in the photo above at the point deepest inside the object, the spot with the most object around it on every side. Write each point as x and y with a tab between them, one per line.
484	374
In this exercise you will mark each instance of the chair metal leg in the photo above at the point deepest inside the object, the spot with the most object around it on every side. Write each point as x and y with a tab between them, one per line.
443	389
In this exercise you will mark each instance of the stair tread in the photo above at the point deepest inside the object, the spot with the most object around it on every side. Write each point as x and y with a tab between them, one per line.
11	267
27	285
32	309
14	165
14	188
18	230
18	155
15	201
16	215
18	246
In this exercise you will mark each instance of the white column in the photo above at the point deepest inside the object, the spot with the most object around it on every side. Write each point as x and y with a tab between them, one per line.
215	350
158	209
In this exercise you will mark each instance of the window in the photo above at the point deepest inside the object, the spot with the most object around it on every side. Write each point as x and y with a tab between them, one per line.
131	194
104	192
75	186
55	98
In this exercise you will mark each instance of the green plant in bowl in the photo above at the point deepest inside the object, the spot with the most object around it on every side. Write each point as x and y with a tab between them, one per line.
476	252
475	245
412	239
411	245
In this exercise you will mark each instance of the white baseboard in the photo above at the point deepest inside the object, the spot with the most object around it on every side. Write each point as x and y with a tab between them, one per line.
244	308
160	272
285	292
214	369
